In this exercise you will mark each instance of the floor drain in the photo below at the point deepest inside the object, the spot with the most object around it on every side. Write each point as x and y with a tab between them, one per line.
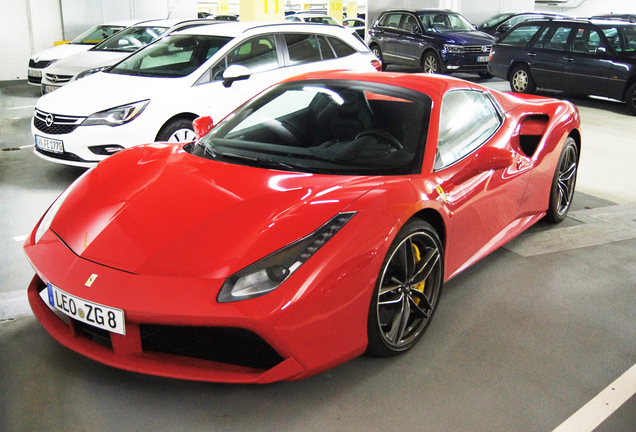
11	149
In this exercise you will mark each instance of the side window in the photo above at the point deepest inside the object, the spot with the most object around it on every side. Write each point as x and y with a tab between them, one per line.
325	48
302	48
520	36
586	41
257	54
341	48
468	120
409	24
392	20
555	40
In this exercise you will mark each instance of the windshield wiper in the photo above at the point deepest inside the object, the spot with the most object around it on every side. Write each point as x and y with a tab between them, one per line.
207	150
267	163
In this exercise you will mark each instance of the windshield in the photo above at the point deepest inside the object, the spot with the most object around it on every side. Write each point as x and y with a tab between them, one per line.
96	34
173	56
326	127
496	20
131	39
622	38
444	22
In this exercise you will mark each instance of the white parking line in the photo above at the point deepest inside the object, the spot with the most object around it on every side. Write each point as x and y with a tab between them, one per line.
20	238
603	405
22	107
27	146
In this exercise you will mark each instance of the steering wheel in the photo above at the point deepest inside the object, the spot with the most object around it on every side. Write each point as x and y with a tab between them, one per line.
378	133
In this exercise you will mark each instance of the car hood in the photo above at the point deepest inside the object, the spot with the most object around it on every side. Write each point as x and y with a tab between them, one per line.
157	210
95	93
82	61
60	52
468	38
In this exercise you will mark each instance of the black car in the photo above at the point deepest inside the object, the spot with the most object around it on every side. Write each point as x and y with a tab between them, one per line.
437	41
617	17
499	24
576	56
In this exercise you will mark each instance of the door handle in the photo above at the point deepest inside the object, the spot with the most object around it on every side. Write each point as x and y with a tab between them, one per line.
568	59
531	54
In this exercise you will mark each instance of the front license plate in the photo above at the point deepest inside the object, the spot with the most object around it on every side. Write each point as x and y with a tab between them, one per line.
482	59
94	314
52	145
35	73
50	88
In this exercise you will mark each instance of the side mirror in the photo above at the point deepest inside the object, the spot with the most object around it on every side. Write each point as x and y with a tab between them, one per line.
491	158
202	126
417	30
503	28
601	51
233	73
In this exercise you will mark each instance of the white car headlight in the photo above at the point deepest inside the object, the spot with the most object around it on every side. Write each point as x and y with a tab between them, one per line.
45	224
91	72
454	49
116	116
270	272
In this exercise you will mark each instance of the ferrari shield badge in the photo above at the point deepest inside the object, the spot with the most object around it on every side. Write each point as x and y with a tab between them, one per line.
90	280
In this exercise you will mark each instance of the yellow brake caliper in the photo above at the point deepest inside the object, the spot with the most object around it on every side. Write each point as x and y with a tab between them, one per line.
420	286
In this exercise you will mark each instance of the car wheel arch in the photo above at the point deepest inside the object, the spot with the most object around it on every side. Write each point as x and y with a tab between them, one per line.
435	219
514	64
186	115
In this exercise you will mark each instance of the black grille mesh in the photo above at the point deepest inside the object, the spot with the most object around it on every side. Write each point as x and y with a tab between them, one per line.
234	346
39	65
54	129
95	334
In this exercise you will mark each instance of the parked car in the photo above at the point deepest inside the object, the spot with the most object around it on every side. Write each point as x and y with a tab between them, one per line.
501	23
356	24
576	56
225	17
83	42
154	94
436	41
317	18
616	17
109	52
318	221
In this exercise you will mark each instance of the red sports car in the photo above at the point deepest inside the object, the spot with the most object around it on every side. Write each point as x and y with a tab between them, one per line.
314	224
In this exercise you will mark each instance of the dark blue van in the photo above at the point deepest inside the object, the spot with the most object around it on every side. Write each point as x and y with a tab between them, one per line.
436	41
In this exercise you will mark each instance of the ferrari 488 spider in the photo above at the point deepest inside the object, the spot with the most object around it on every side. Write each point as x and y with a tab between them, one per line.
317	222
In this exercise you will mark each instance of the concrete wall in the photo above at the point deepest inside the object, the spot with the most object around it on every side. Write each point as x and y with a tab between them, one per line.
35	25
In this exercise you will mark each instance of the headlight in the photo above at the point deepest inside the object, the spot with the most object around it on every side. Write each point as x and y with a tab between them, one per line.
45	224
116	116
91	72
454	49
270	272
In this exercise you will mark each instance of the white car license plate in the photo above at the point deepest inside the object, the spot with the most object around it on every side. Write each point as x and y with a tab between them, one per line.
35	73
482	59
56	146
95	314
50	88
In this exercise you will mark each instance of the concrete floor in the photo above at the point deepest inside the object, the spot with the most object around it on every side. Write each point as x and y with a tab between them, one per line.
520	341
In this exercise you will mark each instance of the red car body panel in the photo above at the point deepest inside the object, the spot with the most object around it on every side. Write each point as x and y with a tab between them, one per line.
163	229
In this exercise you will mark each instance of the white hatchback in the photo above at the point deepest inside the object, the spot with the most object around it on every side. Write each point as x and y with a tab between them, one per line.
154	94
83	42
109	52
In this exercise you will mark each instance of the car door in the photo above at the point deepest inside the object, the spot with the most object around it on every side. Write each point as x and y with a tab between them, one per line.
387	33
261	55
409	44
482	179
587	67
548	55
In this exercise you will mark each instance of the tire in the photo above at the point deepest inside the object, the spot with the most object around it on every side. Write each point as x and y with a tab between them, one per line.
563	183
630	98
431	63
177	130
521	80
407	290
485	75
378	53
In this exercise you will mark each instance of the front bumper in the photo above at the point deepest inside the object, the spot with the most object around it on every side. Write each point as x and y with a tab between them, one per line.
467	62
